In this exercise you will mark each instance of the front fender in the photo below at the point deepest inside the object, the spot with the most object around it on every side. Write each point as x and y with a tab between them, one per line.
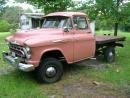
50	50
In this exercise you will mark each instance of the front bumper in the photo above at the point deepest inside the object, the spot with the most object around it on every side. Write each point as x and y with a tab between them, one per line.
15	61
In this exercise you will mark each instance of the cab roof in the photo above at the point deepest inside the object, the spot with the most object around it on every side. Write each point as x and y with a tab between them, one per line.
67	14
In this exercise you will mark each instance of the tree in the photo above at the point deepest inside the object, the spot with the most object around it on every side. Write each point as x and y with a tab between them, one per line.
87	7
11	15
126	14
2	5
51	5
111	9
115	11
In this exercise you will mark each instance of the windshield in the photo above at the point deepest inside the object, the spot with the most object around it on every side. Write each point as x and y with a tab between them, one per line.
55	22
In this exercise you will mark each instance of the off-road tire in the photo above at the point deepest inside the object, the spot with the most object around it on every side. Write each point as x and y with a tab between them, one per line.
109	54
42	69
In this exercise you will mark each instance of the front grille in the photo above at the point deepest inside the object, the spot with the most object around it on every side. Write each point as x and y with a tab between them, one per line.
17	49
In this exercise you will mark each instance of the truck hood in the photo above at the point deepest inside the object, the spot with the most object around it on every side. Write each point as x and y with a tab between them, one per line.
35	36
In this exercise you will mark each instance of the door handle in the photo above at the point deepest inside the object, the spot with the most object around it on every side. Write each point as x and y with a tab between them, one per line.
59	41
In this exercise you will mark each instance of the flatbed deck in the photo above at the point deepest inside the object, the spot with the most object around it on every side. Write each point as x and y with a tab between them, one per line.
105	44
105	39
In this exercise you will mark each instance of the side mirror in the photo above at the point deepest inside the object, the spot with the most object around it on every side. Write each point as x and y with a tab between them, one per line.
66	29
38	28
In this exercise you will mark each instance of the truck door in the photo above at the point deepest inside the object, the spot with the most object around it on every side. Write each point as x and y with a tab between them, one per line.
84	44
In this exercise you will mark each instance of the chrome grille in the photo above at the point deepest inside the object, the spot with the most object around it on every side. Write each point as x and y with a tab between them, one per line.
17	49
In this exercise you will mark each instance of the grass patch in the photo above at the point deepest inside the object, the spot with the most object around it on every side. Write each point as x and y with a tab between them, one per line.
117	73
19	85
3	46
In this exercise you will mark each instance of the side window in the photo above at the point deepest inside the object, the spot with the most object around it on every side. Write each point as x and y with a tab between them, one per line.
69	23
80	21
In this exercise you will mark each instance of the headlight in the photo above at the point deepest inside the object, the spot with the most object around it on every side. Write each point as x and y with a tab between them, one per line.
28	52
27	48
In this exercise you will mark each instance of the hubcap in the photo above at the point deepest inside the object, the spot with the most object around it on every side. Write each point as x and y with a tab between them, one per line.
111	56
51	71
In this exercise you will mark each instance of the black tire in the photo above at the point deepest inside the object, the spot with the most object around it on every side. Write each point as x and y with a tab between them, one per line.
55	74
109	54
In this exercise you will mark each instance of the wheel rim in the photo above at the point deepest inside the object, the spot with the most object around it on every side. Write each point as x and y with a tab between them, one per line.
111	56
50	72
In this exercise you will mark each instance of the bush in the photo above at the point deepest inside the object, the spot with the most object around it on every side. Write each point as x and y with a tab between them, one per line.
14	26
4	26
127	25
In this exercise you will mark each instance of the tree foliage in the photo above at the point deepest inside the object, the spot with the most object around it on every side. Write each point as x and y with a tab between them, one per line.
126	13
2	5
116	11
88	7
110	9
11	14
10	17
51	5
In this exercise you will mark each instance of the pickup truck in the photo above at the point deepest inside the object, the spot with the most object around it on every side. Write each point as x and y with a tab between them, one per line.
64	36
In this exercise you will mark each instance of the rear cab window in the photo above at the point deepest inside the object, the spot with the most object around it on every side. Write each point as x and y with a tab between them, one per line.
80	22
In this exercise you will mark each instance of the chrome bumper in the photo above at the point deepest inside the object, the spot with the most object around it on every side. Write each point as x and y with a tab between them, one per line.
14	61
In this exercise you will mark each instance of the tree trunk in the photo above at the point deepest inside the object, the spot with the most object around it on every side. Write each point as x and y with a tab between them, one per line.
117	17
116	29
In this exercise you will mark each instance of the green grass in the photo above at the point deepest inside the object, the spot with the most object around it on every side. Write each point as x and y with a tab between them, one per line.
17	84
3	46
117	73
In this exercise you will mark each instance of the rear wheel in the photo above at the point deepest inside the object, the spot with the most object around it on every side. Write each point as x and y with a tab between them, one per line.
49	71
109	54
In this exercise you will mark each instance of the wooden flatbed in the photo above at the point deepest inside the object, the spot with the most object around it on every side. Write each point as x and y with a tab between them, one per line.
105	39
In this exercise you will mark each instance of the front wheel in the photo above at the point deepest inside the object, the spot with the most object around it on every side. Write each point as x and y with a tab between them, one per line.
49	71
109	54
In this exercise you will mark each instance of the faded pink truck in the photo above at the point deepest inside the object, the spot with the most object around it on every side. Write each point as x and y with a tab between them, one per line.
64	36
